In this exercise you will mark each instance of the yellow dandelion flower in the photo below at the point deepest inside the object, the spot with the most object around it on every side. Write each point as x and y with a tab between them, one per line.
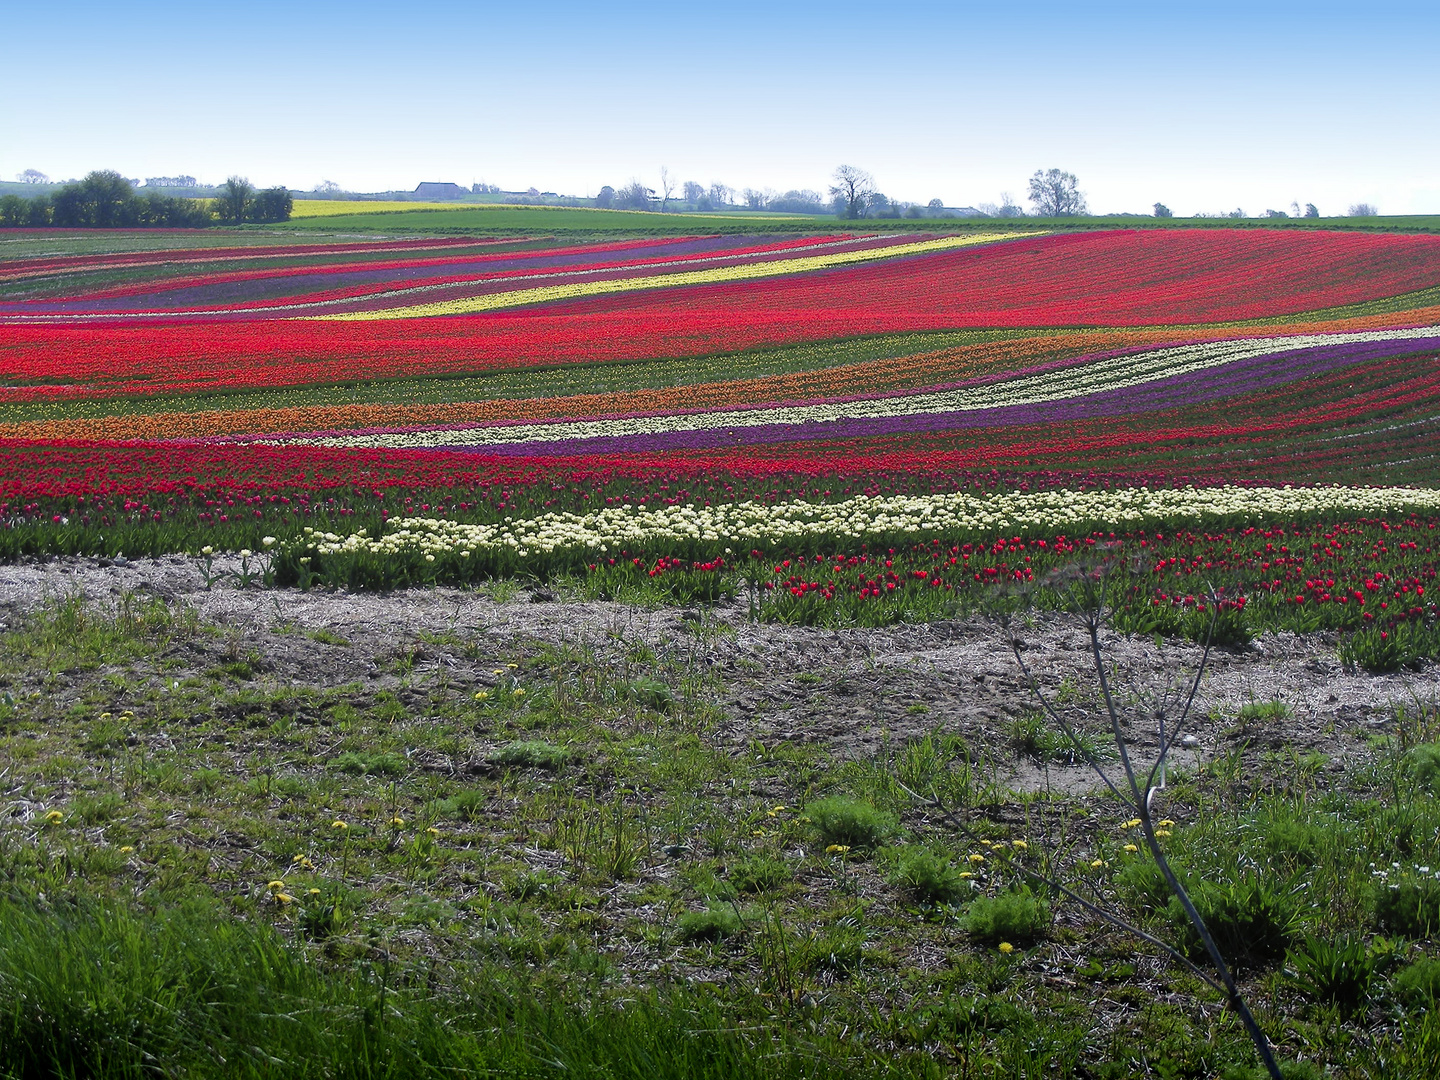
338	825
54	817
312	892
482	695
1131	848
1006	948
398	822
1019	845
966	874
1097	864
284	898
1162	832
837	849
126	849
977	859
433	831
276	886
1166	824
513	667
1134	821
519	691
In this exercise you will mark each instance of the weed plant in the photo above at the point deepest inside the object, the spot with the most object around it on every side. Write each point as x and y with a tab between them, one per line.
845	822
1018	916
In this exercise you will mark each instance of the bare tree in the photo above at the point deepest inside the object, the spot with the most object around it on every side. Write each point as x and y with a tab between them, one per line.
667	187
327	187
854	186
1056	193
693	191
1090	594
1364	209
33	176
634	196
754	198
721	194
1008	207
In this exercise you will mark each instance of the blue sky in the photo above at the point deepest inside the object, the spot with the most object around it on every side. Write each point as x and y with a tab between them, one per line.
1205	107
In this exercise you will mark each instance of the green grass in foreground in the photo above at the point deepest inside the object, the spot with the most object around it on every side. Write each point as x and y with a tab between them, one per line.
95	989
620	884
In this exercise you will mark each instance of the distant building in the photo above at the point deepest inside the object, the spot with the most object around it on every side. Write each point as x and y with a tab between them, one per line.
434	189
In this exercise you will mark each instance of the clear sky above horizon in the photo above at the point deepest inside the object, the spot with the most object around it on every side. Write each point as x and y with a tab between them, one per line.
1205	107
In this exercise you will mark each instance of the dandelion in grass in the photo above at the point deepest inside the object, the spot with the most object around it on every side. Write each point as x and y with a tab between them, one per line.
1020	845
398	822
126	849
837	849
54	817
1098	864
1006	948
1131	849
339	826
977	859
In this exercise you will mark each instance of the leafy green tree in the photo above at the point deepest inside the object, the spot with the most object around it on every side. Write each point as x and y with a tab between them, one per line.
1161	210
103	200
234	202
272	204
1310	210
14	211
172	213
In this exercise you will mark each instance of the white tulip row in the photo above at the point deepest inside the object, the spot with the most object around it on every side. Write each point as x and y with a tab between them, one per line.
748	524
1111	373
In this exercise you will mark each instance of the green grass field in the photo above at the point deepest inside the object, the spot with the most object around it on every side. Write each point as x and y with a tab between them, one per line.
548	219
379	853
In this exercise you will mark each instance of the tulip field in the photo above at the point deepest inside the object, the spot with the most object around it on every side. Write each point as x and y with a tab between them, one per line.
848	428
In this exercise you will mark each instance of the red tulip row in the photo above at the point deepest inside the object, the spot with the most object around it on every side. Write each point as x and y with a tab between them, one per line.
1115	278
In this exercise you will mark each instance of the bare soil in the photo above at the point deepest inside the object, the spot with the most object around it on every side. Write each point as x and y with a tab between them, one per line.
857	692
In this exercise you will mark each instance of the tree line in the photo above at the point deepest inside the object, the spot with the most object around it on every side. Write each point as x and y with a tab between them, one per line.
106	200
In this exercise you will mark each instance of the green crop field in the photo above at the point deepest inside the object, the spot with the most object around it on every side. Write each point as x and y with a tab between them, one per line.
575	220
